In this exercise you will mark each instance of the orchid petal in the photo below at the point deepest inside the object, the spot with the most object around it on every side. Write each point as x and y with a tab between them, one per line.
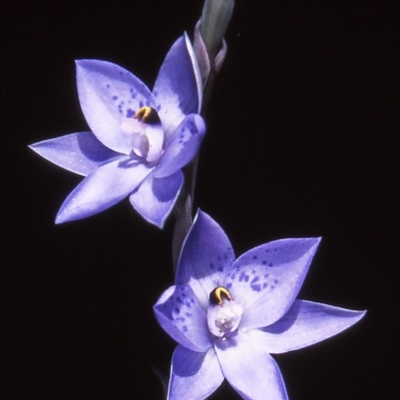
155	198
177	90
103	188
304	324
266	280
194	375
182	146
80	152
205	258
252	372
181	316
109	94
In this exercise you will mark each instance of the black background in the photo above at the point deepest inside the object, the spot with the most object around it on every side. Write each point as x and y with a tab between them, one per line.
302	136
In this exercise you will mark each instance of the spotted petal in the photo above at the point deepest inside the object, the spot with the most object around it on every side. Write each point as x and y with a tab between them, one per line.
182	146
266	280
177	90
250	370
109	94
155	198
103	188
194	375
180	315
304	324
80	152
206	255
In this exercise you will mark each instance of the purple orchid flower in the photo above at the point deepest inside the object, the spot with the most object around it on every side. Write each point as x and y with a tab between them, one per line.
228	315
139	140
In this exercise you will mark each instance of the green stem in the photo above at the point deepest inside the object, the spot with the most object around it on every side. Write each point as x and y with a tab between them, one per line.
211	53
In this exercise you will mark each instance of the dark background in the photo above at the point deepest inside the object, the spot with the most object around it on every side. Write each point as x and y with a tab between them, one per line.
302	136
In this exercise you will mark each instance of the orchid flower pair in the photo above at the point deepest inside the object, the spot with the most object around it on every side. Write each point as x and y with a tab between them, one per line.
227	315
139	140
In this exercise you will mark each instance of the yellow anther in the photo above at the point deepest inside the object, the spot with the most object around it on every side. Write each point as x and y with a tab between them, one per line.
147	114
217	294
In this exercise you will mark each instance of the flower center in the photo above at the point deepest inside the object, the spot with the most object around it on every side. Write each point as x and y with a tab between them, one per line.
223	314
146	133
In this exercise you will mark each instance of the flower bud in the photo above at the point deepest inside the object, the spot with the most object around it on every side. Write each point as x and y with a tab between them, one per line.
214	22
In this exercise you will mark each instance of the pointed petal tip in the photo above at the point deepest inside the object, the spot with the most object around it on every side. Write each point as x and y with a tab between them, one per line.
313	242
35	147
63	217
200	217
317	240
159	223
361	314
59	220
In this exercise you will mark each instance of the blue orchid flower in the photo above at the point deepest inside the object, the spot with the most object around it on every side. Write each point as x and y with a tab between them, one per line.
229	315
139	140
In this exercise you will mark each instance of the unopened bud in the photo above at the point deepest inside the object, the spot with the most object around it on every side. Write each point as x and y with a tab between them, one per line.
214	23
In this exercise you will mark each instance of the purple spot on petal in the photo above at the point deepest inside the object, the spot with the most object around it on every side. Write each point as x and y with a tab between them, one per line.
255	279
177	310
270	264
129	113
264	262
229	285
115	97
140	103
246	278
211	266
256	287
184	328
220	269
265	285
254	257
188	314
108	86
